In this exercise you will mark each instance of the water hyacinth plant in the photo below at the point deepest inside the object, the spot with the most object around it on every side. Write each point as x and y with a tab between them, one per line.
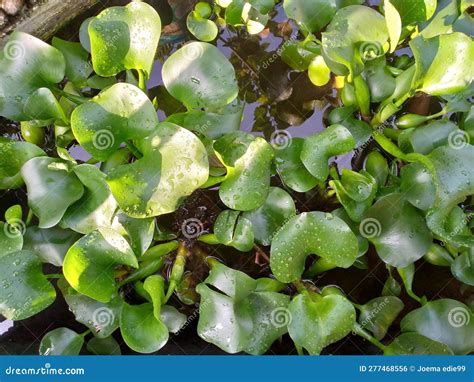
152	227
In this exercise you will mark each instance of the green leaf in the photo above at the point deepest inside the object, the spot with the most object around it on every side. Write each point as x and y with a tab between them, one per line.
209	82
248	160
347	41
174	164
124	38
318	71
42	105
97	206
89	263
414	11
223	323
291	169
414	343
313	15
102	319
443	63
425	139
379	80
317	322
11	237
49	244
61	341
202	28
266	219
155	286
463	268
240	318
397	229
25	290
172	318
379	313
355	191
394	23
233	283
234	230
270	317
213	124
455	182
447	321
52	188
447	11
119	113
141	331
138	232
78	68
13	155
27	64
311	233
320	147
103	346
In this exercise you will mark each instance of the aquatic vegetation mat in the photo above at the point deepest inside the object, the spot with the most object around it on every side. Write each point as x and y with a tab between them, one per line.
174	217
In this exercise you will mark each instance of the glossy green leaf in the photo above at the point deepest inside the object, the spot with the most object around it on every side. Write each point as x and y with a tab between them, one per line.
97	206
377	166
174	164
172	318
318	71
379	80
89	263
78	68
155	286
52	188
379	313
320	147
13	155
413	11
199	75
319	321
119	113
11	239
138	232
270	216
397	229
455	182
425	139
140	329
124	38
42	105
202	28
50	244
248	161
103	346
447	321
355	191
102	319
443	63
61	341
27	64
25	290
240	318
316	233
414	343
394	23
463	268
312	15
349	42
291	169
234	230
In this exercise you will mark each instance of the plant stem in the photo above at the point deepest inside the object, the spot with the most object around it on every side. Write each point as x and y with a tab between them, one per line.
213	180
78	100
209	238
364	334
29	218
319	266
141	81
299	350
136	153
299	286
85	333
54	276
